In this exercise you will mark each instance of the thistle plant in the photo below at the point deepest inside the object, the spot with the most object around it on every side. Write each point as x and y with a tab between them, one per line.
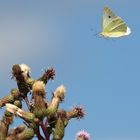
41	118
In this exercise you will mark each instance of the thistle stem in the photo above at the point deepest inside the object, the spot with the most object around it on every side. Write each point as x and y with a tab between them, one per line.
46	122
27	102
38	134
44	130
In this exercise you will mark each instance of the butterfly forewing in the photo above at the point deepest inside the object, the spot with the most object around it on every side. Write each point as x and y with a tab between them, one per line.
108	15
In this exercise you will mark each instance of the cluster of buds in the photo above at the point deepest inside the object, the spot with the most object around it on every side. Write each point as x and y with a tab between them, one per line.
41	114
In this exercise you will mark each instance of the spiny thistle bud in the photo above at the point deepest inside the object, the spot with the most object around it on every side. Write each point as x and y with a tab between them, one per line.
39	107
6	99
79	111
7	118
10	98
76	112
4	124
15	93
58	97
17	130
13	109
49	74
60	92
21	74
59	130
20	133
63	115
30	81
82	135
18	103
27	134
30	117
38	88
16	70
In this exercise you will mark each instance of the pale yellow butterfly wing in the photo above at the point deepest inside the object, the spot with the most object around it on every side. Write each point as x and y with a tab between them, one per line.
112	25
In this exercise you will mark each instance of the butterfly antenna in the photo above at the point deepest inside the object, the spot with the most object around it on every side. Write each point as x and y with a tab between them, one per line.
97	34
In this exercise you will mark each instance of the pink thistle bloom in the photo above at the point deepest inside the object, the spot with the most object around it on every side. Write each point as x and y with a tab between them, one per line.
82	135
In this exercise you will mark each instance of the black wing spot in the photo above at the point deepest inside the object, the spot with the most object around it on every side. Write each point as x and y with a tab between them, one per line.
109	16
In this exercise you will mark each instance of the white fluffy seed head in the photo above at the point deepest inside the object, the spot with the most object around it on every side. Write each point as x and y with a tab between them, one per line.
25	68
60	89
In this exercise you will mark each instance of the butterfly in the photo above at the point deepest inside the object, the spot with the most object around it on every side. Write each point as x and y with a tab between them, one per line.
113	25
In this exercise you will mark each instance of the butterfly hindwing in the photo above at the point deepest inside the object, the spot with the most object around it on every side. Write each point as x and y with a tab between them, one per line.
116	25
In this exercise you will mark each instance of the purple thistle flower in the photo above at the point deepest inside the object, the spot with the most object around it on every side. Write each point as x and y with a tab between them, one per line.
80	111
82	135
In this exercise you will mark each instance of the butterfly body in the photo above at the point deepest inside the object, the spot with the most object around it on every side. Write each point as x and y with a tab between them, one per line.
112	25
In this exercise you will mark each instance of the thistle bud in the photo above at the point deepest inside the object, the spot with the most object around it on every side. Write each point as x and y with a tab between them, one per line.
58	133
17	130
76	112
18	103
21	74
38	88
16	70
21	113
39	107
20	133
60	92
4	124
27	134
6	99
58	97
49	74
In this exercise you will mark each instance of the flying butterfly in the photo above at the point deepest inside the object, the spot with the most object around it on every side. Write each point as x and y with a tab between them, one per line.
113	25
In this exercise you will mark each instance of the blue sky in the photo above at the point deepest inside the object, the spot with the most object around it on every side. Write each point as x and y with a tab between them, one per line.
101	74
